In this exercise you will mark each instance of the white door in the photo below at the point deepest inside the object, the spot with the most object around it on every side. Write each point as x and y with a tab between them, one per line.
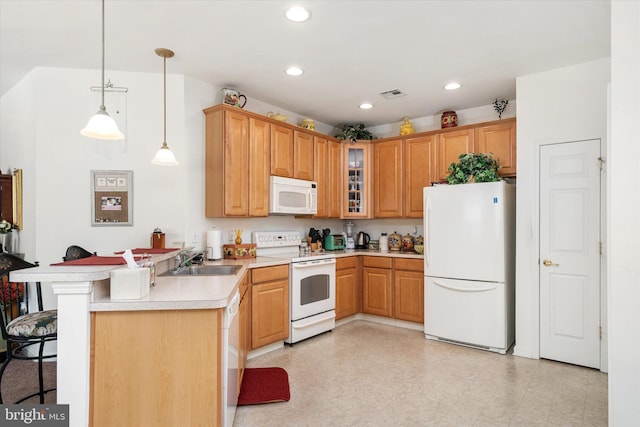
570	252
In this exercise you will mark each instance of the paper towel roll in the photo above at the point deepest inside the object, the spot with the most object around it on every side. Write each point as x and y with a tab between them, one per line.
214	244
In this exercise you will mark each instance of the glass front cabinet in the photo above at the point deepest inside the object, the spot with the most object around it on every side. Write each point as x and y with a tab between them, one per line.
357	180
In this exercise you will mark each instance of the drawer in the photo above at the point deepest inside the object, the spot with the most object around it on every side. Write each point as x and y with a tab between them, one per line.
377	261
269	274
348	262
408	264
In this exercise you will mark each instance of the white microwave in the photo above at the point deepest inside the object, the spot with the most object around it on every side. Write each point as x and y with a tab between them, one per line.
292	196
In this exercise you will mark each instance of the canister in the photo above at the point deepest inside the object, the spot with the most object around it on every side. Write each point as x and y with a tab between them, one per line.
449	119
157	239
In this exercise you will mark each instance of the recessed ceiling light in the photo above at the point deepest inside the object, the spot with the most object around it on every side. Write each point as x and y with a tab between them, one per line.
366	106
297	14
294	71
452	86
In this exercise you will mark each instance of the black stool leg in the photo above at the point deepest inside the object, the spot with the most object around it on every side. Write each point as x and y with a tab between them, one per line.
4	366
40	375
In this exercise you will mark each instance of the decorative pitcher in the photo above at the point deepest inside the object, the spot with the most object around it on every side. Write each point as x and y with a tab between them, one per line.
233	97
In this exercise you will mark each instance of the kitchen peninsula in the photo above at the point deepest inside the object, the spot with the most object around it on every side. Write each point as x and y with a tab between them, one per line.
83	301
182	317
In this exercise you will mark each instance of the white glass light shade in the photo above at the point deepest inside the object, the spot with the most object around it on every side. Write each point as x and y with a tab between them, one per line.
164	157
102	126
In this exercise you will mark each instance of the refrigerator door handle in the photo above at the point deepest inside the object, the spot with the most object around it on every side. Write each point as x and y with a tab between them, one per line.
456	288
427	246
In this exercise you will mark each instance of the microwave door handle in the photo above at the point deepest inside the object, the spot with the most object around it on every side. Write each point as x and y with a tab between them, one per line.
308	199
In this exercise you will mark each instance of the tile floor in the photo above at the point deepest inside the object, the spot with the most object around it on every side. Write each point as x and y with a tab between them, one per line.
368	374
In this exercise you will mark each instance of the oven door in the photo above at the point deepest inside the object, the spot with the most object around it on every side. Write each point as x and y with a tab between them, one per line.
313	287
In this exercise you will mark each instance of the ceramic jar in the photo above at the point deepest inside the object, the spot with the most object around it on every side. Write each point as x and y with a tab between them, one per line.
407	243
308	124
233	97
419	240
449	119
395	241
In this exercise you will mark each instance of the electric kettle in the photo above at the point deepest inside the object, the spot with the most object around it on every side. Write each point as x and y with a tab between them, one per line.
362	241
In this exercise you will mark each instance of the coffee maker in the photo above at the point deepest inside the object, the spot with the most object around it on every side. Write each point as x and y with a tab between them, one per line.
351	244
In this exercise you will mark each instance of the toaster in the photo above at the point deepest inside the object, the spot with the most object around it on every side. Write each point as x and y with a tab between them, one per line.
334	242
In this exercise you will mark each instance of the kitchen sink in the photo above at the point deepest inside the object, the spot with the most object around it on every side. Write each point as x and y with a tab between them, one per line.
205	270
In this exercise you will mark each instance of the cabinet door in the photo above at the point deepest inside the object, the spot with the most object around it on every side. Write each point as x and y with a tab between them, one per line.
281	151
236	159
302	155
388	165
409	296
356	185
259	167
334	178
377	297
420	170
499	139
450	146
320	174
269	313
348	295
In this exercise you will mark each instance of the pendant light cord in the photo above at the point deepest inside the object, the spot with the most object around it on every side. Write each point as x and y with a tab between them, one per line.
102	107
165	100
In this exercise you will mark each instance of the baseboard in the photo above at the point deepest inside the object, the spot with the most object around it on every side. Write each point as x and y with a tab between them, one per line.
382	320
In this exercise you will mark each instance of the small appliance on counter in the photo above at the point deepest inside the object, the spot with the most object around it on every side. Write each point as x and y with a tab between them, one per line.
362	242
383	243
334	242
350	242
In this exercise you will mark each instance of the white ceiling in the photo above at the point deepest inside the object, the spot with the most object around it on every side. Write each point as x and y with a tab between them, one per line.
350	50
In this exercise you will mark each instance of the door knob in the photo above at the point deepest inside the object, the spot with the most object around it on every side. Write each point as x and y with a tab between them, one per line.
548	263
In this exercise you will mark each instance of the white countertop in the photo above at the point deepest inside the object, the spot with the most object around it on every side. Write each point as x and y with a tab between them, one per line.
170	292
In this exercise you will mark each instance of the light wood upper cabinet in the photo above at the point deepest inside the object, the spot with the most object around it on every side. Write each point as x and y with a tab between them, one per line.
320	174
226	160
388	186
327	173
499	139
420	170
334	178
356	181
237	163
281	151
303	155
259	166
450	146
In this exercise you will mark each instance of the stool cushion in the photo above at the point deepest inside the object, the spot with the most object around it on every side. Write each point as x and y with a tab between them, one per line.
36	324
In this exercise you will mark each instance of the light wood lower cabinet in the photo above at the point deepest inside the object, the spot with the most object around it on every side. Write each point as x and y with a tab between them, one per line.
156	368
269	305
377	286
348	290
393	287
408	289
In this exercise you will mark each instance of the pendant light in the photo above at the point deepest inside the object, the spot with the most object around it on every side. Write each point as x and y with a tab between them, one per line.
164	156
102	125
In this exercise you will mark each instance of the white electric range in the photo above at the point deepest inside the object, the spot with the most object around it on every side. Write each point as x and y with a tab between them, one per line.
312	283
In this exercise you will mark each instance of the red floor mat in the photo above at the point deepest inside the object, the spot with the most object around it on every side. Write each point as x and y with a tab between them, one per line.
264	385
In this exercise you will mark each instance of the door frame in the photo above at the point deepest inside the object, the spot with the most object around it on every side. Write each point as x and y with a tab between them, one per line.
603	239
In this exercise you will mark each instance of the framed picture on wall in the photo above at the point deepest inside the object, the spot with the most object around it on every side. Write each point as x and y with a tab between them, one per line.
112	198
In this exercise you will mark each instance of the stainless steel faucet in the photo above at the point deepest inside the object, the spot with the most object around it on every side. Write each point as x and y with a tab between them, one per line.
184	258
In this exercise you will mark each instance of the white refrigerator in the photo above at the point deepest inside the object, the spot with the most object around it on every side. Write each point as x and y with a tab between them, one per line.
469	264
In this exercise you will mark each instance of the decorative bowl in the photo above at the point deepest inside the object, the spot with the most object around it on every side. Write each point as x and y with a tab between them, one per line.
418	248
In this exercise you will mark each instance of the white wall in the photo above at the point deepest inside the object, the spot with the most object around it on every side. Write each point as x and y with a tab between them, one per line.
624	211
567	104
